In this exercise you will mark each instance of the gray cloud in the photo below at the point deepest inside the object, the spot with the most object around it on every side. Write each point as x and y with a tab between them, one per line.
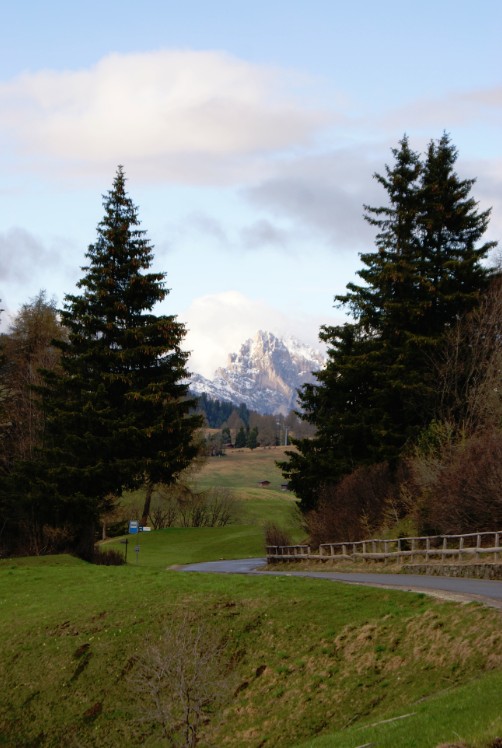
325	194
264	233
28	265
22	256
488	190
206	224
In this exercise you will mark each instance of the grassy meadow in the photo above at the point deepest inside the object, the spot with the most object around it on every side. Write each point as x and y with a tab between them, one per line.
240	471
308	662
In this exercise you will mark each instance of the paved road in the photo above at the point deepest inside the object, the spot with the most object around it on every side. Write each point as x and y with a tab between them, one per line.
489	592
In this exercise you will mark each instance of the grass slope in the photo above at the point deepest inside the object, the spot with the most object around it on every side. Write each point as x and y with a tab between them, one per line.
244	468
310	658
471	713
314	663
241	471
187	545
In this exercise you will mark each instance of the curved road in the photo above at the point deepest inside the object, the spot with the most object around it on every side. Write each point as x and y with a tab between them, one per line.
461	588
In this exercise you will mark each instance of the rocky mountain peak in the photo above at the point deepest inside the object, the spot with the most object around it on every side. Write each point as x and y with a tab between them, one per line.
265	374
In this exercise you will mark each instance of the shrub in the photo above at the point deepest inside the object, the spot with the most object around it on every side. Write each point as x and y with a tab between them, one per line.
275	535
464	494
107	558
179	505
359	504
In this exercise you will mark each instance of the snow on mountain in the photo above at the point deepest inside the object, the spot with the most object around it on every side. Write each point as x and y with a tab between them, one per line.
265	374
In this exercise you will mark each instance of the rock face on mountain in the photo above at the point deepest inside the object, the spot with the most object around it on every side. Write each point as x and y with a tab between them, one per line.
265	374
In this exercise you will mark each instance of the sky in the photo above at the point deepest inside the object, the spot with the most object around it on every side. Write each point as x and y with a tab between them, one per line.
249	134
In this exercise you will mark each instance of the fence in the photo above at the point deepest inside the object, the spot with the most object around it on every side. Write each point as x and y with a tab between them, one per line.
430	547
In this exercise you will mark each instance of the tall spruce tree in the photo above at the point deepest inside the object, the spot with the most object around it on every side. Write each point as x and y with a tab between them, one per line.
377	390
118	413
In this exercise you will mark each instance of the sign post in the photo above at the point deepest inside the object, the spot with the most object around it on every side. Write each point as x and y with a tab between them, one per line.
125	542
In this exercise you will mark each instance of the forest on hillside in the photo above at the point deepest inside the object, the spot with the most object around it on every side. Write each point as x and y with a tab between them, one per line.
239	426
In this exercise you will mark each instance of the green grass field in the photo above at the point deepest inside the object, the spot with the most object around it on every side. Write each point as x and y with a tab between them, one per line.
243	469
311	662
187	545
240	471
310	658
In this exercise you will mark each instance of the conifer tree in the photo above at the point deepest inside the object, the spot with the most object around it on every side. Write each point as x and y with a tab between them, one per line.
118	413
377	390
241	438
252	438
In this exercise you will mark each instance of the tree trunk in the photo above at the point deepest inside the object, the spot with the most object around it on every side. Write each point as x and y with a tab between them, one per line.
148	500
86	538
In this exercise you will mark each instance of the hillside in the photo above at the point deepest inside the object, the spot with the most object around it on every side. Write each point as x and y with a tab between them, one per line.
307	662
304	658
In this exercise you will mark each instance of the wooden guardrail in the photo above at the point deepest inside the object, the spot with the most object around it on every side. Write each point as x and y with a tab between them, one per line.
414	549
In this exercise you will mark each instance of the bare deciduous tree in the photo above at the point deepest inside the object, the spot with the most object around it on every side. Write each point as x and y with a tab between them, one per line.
470	368
359	504
182	678
163	512
461	491
27	348
181	505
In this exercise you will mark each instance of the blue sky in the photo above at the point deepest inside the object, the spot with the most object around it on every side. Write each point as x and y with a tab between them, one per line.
249	133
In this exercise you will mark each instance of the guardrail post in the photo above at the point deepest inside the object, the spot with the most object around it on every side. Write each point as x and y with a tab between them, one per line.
445	547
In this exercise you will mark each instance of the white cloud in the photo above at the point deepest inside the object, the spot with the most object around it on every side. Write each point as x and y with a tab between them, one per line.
181	113
218	325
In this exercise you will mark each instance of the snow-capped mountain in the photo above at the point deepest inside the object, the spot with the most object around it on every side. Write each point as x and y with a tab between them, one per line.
265	374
